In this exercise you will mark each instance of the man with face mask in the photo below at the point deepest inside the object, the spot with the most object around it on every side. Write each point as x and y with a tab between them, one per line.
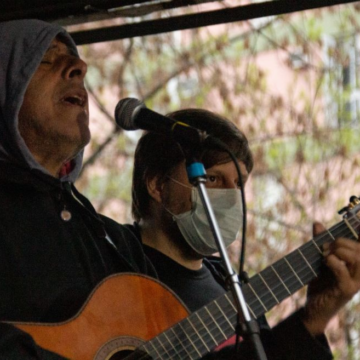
171	224
163	200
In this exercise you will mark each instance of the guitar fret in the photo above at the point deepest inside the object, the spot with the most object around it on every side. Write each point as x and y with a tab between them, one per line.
215	330
281	268
328	231
310	267
305	263
216	322
226	318
180	342
276	281
252	312
153	346
276	299
257	297
316	245
313	259
351	229
190	339
346	232
265	291
234	308
217	325
162	345
343	230
143	349
356	225
197	333
230	302
206	328
253	303
356	218
287	289
300	266
173	346
293	271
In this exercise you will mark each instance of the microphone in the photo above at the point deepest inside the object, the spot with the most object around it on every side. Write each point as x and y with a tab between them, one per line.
132	114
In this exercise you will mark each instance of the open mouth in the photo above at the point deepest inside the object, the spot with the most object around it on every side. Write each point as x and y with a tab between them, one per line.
75	100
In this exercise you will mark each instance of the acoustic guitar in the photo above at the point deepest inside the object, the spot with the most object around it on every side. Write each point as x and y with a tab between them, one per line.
130	316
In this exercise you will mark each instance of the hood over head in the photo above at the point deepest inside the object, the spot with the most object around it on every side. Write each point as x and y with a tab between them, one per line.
22	47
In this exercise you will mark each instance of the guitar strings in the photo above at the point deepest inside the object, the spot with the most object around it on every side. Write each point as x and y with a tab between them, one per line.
317	257
235	313
222	322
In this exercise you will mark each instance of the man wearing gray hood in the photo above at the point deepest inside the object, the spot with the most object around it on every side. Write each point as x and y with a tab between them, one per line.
54	247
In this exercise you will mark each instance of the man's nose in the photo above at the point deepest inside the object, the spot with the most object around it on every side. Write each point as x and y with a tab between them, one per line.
76	68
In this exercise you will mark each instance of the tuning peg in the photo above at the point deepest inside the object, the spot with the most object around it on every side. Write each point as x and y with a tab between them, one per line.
343	210
353	201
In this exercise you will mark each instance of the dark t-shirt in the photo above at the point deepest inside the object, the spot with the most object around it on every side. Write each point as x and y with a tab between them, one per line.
196	288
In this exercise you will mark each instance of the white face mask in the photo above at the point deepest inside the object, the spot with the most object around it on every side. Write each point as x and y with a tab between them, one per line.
194	225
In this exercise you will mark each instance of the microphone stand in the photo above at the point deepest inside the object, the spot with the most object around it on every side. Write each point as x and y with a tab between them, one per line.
187	136
249	327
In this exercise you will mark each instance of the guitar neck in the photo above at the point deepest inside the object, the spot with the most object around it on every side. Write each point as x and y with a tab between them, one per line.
294	271
208	327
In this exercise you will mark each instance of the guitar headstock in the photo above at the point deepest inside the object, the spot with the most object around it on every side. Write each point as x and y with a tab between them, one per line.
352	209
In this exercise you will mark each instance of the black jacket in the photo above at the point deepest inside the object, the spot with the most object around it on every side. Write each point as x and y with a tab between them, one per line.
49	266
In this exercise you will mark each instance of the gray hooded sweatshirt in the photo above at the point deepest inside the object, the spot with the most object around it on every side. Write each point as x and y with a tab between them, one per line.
23	44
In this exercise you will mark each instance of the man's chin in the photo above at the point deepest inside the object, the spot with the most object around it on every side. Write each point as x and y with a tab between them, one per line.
179	241
74	143
83	137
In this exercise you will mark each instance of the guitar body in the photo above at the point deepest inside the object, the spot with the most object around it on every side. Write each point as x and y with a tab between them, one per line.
124	311
127	310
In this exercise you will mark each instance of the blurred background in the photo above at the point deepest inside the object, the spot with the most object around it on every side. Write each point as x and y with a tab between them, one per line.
290	82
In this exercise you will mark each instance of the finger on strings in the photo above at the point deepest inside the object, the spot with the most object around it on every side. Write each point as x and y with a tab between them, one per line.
346	255
338	267
318	228
346	243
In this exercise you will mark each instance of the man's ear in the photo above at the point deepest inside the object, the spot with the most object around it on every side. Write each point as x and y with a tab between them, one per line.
155	187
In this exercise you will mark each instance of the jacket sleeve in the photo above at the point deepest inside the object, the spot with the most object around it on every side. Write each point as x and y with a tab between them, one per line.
16	344
289	340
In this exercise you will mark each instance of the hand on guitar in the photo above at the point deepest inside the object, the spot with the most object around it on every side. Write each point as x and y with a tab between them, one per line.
335	286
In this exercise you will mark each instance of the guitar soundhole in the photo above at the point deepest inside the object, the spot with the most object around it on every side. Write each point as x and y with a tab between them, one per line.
120	355
130	355
121	348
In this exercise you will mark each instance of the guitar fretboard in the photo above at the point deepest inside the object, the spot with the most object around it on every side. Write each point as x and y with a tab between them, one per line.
208	327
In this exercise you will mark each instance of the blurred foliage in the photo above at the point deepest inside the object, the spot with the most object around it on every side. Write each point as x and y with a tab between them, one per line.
291	83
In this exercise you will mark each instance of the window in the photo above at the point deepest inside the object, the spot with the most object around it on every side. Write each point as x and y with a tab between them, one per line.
341	85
